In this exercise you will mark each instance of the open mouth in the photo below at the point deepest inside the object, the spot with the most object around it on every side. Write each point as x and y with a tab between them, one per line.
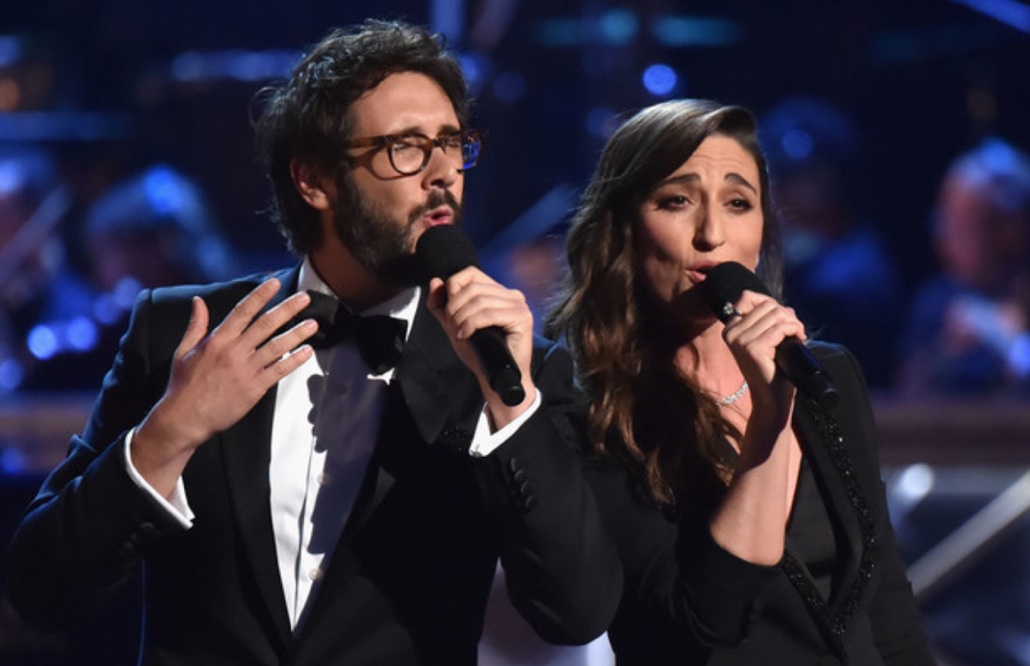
699	272
437	216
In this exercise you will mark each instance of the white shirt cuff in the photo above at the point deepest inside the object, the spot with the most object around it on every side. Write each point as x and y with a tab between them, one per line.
485	442
175	506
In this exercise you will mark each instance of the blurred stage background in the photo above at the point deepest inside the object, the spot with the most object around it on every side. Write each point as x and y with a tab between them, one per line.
126	161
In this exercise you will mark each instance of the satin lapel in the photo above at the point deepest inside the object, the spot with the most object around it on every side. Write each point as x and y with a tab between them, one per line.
433	401
437	388
246	450
834	471
436	403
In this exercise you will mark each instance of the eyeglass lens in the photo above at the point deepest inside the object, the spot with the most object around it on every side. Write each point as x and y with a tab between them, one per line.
410	154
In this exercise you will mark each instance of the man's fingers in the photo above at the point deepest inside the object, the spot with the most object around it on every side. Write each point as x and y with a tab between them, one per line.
437	297
475	301
251	334
483	313
247	309
265	326
195	330
464	283
281	345
504	308
287	364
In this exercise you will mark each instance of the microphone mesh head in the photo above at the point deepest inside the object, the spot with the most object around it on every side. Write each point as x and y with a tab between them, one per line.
725	283
444	250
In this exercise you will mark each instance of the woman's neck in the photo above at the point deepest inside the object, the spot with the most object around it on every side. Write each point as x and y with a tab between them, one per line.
706	359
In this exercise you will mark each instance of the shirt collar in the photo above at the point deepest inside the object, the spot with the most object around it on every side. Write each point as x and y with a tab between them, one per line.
402	306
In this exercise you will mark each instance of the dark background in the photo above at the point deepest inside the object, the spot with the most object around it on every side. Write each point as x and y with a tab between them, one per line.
923	79
114	86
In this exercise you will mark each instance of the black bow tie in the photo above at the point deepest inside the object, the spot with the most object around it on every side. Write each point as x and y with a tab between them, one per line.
379	338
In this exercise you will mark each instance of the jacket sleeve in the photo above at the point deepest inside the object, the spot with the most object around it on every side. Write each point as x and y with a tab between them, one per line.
897	624
563	573
85	531
680	585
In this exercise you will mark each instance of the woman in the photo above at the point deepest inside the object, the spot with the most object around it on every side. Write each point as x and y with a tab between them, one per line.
755	529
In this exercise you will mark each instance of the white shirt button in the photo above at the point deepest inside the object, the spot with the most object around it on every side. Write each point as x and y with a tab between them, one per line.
315	574
324	479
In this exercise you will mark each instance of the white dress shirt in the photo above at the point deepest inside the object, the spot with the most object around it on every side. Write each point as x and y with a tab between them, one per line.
324	430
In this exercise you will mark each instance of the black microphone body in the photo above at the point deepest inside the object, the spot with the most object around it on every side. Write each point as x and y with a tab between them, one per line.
723	286
442	251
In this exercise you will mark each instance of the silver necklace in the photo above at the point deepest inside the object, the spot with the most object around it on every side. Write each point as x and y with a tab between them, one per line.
735	396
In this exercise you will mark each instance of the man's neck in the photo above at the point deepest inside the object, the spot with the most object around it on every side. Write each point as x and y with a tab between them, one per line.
350	281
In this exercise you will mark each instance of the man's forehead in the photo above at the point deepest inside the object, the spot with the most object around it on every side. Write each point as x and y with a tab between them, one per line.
404	102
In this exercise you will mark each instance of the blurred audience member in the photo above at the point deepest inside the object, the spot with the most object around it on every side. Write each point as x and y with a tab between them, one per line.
969	332
152	229
839	276
529	253
534	265
537	267
36	282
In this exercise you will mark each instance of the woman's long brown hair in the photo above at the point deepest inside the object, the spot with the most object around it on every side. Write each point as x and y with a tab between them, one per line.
640	404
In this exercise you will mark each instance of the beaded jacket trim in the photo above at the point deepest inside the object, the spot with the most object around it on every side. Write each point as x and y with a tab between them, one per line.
833	620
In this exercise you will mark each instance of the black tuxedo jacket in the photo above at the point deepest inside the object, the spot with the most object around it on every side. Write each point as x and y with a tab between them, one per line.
409	578
688	601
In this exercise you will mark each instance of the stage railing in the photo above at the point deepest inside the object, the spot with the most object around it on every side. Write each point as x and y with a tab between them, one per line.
34	431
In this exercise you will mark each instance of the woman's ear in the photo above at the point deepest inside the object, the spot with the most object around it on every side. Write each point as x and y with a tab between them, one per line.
311	183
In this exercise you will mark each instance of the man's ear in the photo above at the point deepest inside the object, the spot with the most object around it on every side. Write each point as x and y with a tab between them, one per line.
314	187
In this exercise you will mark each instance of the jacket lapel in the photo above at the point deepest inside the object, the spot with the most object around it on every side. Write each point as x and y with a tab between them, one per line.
433	400
838	504
848	508
438	390
246	451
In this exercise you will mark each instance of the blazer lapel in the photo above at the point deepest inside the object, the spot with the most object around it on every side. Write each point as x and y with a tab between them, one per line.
246	452
438	390
827	451
433	400
838	504
429	388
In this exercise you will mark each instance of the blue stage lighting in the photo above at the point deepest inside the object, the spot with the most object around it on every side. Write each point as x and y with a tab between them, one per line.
660	80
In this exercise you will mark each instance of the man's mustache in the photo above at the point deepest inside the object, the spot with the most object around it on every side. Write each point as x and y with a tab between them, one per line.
435	200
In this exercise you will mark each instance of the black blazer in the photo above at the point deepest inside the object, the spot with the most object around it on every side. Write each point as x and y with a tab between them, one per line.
688	601
409	578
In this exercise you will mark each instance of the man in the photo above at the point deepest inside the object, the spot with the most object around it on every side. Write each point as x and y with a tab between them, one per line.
301	506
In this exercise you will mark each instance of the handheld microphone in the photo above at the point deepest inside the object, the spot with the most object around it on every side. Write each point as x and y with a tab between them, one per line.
723	286
442	251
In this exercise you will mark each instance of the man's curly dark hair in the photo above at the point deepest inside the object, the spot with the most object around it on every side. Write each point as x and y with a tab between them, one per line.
308	115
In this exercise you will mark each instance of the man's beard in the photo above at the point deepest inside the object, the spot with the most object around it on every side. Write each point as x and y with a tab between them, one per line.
381	245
